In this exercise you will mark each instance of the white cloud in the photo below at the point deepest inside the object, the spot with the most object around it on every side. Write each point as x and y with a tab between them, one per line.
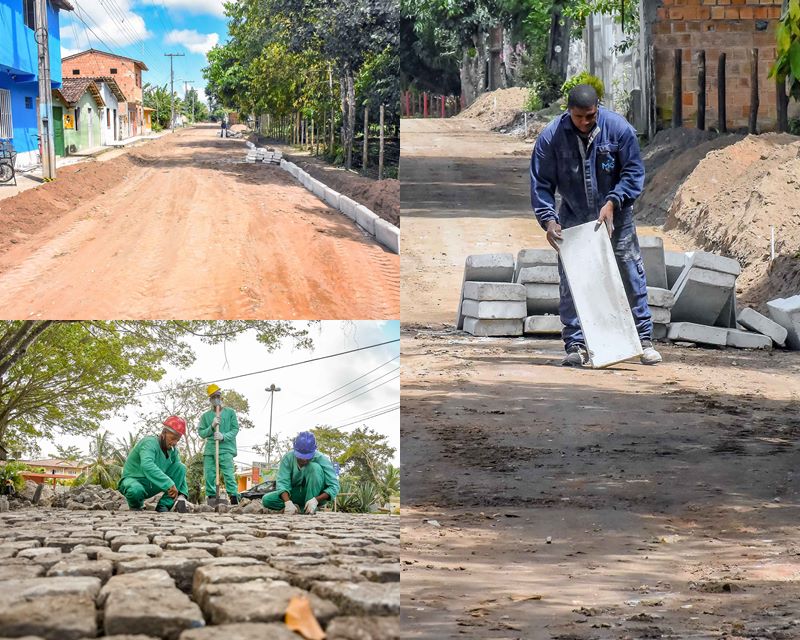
96	24
192	40
211	7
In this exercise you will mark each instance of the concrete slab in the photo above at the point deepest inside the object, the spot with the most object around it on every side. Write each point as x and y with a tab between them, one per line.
675	262
660	315
492	328
727	317
786	312
703	334
701	295
657	297
535	258
542	325
748	340
655	270
714	262
485	267
494	291
599	295
542	298
753	320
494	310
387	235
538	275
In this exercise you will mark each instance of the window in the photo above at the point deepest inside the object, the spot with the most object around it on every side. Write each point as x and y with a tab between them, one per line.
6	127
138	78
114	70
28	102
77	119
28	14
76	72
108	118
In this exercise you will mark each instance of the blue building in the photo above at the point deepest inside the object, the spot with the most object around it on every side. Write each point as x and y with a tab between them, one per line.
19	72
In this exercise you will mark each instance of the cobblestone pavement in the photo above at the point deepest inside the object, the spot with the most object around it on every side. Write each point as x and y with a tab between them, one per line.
68	575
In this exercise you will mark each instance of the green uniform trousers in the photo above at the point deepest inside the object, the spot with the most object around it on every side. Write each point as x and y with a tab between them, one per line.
137	490
300	493
226	469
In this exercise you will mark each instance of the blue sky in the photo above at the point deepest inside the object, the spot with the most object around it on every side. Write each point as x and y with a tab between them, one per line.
146	30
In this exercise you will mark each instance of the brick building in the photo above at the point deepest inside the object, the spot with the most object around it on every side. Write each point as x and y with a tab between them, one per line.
127	73
733	27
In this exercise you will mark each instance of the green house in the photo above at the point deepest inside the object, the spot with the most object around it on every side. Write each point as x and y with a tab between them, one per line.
77	122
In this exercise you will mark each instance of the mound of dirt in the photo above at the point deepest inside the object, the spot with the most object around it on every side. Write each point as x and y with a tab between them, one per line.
730	202
497	108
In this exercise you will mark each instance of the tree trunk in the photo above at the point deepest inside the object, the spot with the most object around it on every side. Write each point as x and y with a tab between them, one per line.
558	42
473	71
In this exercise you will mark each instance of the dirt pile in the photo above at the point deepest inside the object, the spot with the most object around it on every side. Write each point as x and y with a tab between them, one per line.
497	108
729	203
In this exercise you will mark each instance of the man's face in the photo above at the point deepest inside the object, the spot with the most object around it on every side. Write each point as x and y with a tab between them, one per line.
170	438
301	463
216	399
583	119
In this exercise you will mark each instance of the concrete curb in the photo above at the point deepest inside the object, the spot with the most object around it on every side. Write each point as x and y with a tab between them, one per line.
385	233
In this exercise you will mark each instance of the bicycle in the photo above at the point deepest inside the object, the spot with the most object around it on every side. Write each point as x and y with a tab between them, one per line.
8	157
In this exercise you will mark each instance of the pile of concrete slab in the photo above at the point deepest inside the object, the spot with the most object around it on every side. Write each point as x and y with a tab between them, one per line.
692	298
260	154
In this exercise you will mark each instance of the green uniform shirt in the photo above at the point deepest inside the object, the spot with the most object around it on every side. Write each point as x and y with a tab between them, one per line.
148	462
290	475
228	427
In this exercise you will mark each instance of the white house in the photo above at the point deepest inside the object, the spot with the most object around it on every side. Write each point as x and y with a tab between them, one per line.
111	127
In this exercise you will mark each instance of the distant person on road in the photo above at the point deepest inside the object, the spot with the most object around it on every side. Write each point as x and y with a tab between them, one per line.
591	157
223	133
228	425
306	479
153	466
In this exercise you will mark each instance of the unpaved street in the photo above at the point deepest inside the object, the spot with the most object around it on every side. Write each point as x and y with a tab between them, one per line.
669	494
180	228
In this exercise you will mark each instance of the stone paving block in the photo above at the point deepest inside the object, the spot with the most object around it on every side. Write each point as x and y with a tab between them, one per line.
655	269
366	219
387	235
494	310
18	545
96	568
259	602
542	298
748	340
494	291
38	552
754	321
91	550
700	295
364	628
243	631
714	262
485	267
20	571
362	598
181	569
210	575
305	577
657	297
126	636
538	275
261	550
542	325
535	258
205	537
492	328
210	547
152	550
786	312
675	262
162	540
128	540
380	572
691	332
660	315
148	578
164	612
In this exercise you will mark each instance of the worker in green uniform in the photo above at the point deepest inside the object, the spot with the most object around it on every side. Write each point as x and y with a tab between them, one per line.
226	434
153	466
305	477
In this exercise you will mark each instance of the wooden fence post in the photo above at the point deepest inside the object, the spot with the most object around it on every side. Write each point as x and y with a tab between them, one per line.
366	139
677	90
701	90
782	105
721	98
443	107
380	155
754	101
425	104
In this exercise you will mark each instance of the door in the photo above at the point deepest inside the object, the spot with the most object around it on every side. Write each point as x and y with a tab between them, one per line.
115	125
91	129
58	130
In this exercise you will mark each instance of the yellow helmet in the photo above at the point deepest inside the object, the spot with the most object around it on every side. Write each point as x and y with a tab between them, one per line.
212	389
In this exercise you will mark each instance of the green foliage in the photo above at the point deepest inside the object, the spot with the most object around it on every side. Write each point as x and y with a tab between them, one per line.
579	10
72	453
787	61
534	101
362	453
194	477
356	495
389	483
12	470
582	78
158	98
104	466
794	126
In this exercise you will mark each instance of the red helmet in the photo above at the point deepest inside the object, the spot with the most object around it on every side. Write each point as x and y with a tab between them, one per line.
176	425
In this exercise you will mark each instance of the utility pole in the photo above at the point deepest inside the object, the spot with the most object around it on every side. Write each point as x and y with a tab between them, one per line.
186	84
45	93
272	389
172	85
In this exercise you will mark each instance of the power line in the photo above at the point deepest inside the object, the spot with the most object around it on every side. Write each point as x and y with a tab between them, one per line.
283	366
360	394
366	414
377	415
344	395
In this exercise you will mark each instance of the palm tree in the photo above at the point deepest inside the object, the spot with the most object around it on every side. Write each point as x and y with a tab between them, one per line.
104	467
389	482
125	445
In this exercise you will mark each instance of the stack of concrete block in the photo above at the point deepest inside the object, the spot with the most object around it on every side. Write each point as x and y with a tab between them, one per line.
493	308
537	269
753	320
786	312
705	292
654	259
485	267
660	302
675	263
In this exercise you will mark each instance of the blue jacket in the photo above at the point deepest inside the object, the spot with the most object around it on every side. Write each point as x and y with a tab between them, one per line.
612	170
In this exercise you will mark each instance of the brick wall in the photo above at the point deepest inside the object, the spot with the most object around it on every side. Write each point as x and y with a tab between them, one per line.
128	76
733	27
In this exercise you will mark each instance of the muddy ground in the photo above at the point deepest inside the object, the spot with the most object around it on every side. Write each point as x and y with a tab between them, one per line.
668	493
181	228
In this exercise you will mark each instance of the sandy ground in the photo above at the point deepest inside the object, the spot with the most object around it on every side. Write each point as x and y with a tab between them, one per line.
180	228
668	493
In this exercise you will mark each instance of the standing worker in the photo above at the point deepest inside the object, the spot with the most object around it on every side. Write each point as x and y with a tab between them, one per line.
591	156
306	479
226	435
223	133
153	466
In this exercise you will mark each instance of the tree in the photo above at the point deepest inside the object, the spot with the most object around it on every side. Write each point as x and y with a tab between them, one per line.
363	453
71	454
787	62
103	464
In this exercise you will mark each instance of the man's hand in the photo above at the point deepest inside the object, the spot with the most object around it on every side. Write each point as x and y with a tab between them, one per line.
172	492
215	422
289	508
607	216
218	435
554	234
311	506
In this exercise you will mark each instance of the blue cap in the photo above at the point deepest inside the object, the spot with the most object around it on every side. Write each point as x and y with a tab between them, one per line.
305	445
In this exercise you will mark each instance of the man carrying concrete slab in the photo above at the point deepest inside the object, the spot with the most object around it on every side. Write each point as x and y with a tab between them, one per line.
591	157
219	425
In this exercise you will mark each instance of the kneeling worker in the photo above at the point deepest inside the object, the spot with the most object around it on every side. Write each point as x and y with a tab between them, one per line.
153	466
305	477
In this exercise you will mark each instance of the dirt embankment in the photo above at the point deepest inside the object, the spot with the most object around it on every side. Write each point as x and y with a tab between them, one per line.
496	108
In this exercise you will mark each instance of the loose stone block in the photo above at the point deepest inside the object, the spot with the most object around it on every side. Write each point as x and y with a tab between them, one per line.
691	332
706	260
660	315
494	291
535	258
542	298
492	328
786	312
362	598
492	310
538	275
364	628
655	270
243	631
542	325
657	297
701	295
164	612
747	340
387	235
754	321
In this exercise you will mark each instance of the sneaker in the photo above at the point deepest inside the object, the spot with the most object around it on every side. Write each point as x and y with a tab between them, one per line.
650	355
161	509
180	505
577	356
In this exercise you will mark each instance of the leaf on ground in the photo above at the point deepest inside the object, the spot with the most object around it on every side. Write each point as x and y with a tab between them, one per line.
524	598
300	618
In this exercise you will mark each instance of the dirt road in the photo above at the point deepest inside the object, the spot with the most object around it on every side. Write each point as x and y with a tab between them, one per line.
669	494
180	228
